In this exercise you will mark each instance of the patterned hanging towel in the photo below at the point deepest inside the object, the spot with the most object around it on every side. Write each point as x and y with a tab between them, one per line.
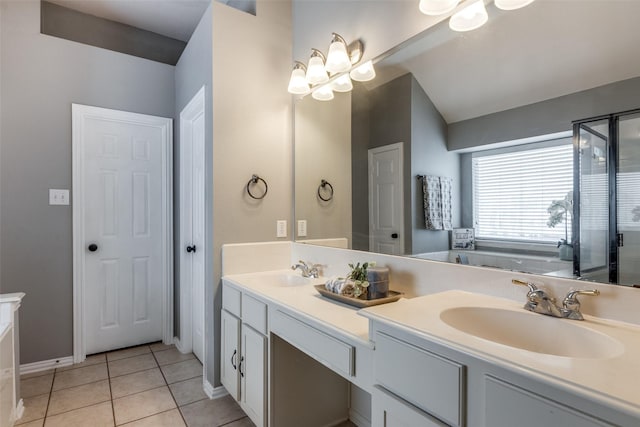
432	202
445	193
437	202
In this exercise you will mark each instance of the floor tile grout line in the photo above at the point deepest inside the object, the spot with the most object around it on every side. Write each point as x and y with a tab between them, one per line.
171	392
145	417
113	410
46	411
233	421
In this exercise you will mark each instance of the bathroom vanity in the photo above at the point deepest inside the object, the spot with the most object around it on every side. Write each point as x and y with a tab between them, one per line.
447	358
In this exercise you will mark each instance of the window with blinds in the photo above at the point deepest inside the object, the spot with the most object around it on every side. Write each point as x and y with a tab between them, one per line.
513	190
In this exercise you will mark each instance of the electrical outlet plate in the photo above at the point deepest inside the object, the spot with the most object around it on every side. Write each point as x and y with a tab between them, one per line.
302	228
281	228
58	197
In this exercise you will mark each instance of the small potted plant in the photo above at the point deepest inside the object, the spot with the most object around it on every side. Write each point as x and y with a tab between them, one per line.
358	278
561	211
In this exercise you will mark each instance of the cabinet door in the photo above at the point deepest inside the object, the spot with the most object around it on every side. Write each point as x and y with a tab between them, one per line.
230	354
253	375
507	405
391	411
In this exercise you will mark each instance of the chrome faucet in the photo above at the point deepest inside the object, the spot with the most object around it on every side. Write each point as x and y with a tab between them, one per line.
538	301
308	269
571	305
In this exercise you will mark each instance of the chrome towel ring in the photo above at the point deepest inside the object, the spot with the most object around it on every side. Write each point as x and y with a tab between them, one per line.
253	181
323	186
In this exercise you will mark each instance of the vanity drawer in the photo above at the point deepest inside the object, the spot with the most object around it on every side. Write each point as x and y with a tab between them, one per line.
326	349
430	382
231	300
254	313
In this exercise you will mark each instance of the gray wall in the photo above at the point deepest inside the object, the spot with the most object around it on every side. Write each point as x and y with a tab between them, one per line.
72	25
40	77
194	70
429	156
381	117
252	132
323	151
550	116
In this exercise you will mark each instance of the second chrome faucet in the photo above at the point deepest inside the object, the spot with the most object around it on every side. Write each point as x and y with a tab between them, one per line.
539	301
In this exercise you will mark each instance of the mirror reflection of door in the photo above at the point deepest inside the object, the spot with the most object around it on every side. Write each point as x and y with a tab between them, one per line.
628	195
386	217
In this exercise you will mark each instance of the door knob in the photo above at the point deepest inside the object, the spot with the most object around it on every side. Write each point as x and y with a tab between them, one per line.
394	236
92	247
191	248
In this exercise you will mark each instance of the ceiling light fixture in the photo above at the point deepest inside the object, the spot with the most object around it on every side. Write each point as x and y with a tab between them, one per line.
338	60
323	93
342	84
512	4
364	72
470	18
316	73
437	7
298	84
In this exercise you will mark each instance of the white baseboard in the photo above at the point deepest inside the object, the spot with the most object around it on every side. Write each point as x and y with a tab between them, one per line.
214	392
358	419
179	346
43	365
18	411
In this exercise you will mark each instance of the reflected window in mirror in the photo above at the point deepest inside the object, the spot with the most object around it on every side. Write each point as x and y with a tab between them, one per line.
524	193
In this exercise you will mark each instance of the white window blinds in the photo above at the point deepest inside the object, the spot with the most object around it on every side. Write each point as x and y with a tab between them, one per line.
512	191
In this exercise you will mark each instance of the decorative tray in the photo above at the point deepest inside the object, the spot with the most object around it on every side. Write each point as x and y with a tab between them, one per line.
357	302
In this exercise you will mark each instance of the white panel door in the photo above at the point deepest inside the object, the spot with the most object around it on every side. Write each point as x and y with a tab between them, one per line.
386	221
253	375
124	230
192	225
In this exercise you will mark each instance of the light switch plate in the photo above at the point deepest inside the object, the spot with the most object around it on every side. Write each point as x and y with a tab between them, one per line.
58	197
281	228
302	228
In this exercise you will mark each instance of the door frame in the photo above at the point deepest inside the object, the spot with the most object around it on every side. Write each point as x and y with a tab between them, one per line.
399	146
79	114
194	109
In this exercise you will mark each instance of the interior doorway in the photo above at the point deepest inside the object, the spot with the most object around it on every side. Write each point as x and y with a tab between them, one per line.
122	229
192	226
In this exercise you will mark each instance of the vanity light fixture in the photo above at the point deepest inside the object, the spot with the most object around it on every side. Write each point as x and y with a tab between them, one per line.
470	18
338	59
323	93
342	83
316	73
298	84
512	4
437	7
364	72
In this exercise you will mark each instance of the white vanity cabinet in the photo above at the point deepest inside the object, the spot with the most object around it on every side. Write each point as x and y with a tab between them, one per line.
424	382
244	352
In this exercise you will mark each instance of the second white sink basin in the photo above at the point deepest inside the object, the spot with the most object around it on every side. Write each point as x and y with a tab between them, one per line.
532	332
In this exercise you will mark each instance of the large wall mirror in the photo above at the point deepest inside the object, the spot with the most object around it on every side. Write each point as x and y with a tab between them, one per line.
514	146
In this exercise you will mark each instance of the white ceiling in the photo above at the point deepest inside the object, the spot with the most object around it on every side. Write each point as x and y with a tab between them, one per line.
172	18
548	49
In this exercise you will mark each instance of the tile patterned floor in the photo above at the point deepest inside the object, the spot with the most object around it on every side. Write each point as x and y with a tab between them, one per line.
146	386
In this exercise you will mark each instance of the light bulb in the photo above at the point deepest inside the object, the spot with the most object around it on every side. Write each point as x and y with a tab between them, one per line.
298	84
512	4
471	17
364	72
316	73
437	7
342	84
323	93
338	59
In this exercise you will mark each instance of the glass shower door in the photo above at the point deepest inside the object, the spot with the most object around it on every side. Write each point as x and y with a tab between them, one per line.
592	256
628	199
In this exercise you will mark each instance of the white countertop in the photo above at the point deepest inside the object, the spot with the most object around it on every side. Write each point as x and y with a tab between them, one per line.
613	380
300	295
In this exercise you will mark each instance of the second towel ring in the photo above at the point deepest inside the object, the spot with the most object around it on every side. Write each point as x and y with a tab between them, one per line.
324	184
254	180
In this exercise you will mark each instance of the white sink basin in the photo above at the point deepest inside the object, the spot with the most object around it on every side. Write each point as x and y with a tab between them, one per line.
532	332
